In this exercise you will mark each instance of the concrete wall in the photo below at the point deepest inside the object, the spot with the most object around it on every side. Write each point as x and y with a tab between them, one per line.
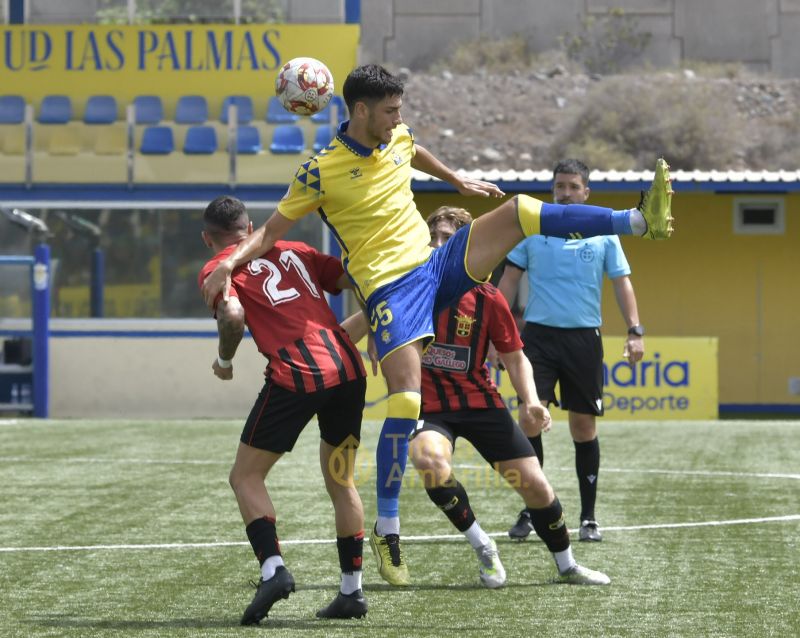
147	369
761	33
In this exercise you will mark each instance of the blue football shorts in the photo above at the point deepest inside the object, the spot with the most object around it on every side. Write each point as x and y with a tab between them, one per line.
403	311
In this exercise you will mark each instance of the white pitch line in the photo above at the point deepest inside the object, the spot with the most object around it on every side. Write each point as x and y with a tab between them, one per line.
428	538
721	473
463	466
79	459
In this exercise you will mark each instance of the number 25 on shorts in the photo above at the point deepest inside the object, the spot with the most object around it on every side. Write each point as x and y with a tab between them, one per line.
381	315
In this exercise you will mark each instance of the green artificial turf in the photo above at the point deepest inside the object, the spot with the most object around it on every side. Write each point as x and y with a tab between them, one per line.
679	503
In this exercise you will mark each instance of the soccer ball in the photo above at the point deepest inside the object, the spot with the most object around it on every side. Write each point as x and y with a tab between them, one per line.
304	86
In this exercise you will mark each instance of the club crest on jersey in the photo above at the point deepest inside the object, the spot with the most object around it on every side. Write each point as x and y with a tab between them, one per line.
386	336
464	325
396	158
355	172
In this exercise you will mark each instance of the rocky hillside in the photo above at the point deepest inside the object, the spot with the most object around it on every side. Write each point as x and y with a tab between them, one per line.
527	119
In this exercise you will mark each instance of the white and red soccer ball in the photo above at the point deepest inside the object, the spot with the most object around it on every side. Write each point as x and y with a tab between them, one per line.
304	86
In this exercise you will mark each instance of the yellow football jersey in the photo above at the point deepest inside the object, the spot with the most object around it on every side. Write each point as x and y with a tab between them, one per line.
364	196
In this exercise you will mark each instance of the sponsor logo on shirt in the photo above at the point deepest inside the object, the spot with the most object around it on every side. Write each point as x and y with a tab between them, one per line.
447	357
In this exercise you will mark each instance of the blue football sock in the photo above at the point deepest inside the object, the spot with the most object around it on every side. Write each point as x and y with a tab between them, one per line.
575	221
392	451
390	460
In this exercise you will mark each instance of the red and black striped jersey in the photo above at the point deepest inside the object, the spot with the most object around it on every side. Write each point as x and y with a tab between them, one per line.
454	374
282	293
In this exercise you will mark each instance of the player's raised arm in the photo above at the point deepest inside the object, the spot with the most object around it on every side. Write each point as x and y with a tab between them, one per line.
259	242
424	161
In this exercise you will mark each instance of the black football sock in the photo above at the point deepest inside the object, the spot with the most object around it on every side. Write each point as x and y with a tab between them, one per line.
587	466
263	538
351	549
550	526
452	499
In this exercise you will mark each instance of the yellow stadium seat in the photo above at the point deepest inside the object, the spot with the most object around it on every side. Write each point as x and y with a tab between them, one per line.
63	154
12	169
179	168
12	139
111	140
266	168
65	140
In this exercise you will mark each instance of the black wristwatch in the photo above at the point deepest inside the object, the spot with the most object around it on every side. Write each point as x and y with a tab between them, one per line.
636	331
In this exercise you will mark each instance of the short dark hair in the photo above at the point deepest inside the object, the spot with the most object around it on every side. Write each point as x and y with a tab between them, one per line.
225	215
370	83
573	167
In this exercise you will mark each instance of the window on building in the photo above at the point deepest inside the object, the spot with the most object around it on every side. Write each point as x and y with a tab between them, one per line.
758	216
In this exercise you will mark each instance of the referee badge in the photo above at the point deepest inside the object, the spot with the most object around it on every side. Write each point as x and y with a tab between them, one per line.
464	325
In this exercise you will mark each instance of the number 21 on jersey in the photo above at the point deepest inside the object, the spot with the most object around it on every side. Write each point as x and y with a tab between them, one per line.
272	283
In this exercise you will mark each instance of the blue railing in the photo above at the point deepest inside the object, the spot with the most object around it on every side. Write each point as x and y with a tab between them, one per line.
39	264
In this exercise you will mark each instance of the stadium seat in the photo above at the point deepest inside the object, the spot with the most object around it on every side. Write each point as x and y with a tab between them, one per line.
55	109
157	140
191	109
287	138
244	108
65	140
248	141
148	109
111	140
200	140
100	109
276	114
324	116
12	139
12	109
322	137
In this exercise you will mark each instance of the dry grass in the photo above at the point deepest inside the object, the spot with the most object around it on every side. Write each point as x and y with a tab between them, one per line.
624	123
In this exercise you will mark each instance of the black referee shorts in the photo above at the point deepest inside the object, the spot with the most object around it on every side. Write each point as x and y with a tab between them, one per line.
279	415
492	432
573	357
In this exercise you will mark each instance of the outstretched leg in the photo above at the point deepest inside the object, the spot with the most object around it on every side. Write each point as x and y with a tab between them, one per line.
498	231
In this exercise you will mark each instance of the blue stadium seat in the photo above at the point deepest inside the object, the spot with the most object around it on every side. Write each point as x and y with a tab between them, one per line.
200	140
276	114
12	109
157	140
55	109
191	109
100	109
322	137
248	141
244	107
324	116
148	109
287	138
